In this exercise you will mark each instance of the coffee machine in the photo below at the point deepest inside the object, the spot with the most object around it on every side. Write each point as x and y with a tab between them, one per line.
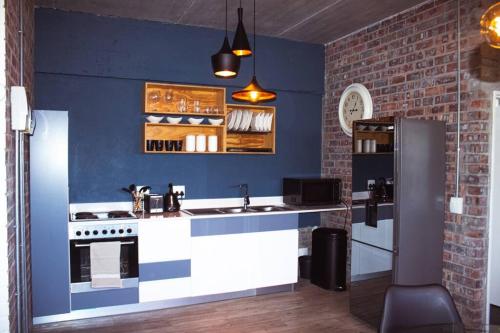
171	200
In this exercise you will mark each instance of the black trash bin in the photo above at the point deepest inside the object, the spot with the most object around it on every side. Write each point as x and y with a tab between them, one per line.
305	267
329	258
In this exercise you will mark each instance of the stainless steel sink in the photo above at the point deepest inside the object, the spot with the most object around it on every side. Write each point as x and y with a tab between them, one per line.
235	210
271	208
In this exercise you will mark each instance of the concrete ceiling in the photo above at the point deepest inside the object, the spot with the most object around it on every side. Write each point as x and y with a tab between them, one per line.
314	21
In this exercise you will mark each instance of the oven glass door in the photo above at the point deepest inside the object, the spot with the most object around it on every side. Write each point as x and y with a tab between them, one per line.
80	258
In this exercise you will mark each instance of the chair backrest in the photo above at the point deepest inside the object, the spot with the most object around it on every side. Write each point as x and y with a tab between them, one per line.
411	306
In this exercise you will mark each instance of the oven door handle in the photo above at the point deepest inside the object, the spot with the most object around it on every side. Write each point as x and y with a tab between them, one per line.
88	245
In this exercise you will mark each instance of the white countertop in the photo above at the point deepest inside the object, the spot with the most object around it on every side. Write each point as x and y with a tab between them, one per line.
202	203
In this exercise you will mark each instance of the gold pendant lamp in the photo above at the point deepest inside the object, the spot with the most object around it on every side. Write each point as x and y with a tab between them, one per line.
225	63
490	25
253	92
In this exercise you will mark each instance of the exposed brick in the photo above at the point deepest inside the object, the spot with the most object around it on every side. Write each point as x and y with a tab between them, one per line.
13	77
415	76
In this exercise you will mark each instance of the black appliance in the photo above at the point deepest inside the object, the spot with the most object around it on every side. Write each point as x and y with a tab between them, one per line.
312	191
171	201
329	258
82	234
153	203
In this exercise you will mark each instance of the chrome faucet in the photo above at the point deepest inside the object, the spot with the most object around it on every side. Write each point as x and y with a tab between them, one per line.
246	197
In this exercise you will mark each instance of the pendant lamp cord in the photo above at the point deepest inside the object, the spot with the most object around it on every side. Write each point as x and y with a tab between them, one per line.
226	18
254	44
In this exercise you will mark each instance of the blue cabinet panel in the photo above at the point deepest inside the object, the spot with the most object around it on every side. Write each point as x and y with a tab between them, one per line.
164	270
243	224
108	297
49	214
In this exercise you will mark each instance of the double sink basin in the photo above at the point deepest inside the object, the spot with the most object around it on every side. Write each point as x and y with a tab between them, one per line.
236	210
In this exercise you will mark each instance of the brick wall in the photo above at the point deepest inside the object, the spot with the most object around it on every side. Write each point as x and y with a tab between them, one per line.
408	62
12	78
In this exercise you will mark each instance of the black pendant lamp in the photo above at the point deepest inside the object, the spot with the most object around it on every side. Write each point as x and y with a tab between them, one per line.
225	63
253	92
241	46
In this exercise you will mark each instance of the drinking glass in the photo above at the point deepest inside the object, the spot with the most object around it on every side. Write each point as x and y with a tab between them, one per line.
154	96
196	106
182	105
168	95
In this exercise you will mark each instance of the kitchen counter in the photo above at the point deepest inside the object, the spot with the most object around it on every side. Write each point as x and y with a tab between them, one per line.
208	203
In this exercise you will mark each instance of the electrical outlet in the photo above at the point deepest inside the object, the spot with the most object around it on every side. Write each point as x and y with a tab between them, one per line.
457	205
180	188
370	182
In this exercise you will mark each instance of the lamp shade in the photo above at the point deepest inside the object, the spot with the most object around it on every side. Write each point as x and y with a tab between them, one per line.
225	63
254	93
241	46
490	25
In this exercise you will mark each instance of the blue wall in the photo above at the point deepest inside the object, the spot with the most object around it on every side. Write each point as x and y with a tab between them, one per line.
95	67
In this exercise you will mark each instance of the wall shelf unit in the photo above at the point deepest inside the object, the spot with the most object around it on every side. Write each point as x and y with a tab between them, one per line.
165	99
380	130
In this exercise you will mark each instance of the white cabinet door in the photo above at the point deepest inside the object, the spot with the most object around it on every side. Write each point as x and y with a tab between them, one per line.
160	290
275	258
161	240
221	263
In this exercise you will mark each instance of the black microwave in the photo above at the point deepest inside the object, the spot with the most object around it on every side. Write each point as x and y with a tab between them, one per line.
312	191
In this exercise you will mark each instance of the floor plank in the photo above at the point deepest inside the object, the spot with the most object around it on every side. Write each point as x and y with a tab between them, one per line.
307	309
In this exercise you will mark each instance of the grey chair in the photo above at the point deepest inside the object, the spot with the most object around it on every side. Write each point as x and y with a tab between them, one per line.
408	307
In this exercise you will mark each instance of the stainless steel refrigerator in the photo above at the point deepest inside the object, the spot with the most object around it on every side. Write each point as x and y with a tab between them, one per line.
398	240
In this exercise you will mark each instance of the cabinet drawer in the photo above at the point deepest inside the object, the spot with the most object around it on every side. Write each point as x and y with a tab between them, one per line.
164	241
159	290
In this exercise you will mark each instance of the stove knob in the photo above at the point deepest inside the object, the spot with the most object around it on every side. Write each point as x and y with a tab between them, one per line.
95	232
120	231
129	230
113	231
87	232
78	233
104	232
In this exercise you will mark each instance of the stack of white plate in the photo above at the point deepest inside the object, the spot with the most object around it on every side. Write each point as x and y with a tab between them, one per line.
245	120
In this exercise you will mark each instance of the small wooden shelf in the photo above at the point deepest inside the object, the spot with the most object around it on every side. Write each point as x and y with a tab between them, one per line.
221	114
381	137
369	154
163	99
368	131
252	139
183	125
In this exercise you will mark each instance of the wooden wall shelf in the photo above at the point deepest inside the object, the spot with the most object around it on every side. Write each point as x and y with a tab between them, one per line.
382	137
164	98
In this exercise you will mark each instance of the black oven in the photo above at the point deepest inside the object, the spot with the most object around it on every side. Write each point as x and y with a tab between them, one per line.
312	191
80	257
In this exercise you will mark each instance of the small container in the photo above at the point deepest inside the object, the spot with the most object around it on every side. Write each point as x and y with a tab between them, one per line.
212	143
190	143
373	146
201	143
359	146
366	146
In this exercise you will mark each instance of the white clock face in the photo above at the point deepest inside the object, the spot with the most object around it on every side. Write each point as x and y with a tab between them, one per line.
353	108
355	104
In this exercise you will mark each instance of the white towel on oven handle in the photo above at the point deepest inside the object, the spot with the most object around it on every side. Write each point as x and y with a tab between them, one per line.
105	264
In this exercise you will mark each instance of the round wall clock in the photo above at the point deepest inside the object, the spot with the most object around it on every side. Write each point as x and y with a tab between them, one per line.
355	104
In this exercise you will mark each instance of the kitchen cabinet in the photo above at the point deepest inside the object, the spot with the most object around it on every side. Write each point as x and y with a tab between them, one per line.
49	204
162	240
164	259
222	263
166	99
241	253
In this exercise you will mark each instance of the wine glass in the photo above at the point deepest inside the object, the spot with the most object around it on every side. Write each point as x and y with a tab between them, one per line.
168	95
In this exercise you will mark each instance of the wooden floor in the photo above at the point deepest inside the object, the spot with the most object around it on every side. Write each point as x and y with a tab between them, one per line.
307	309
